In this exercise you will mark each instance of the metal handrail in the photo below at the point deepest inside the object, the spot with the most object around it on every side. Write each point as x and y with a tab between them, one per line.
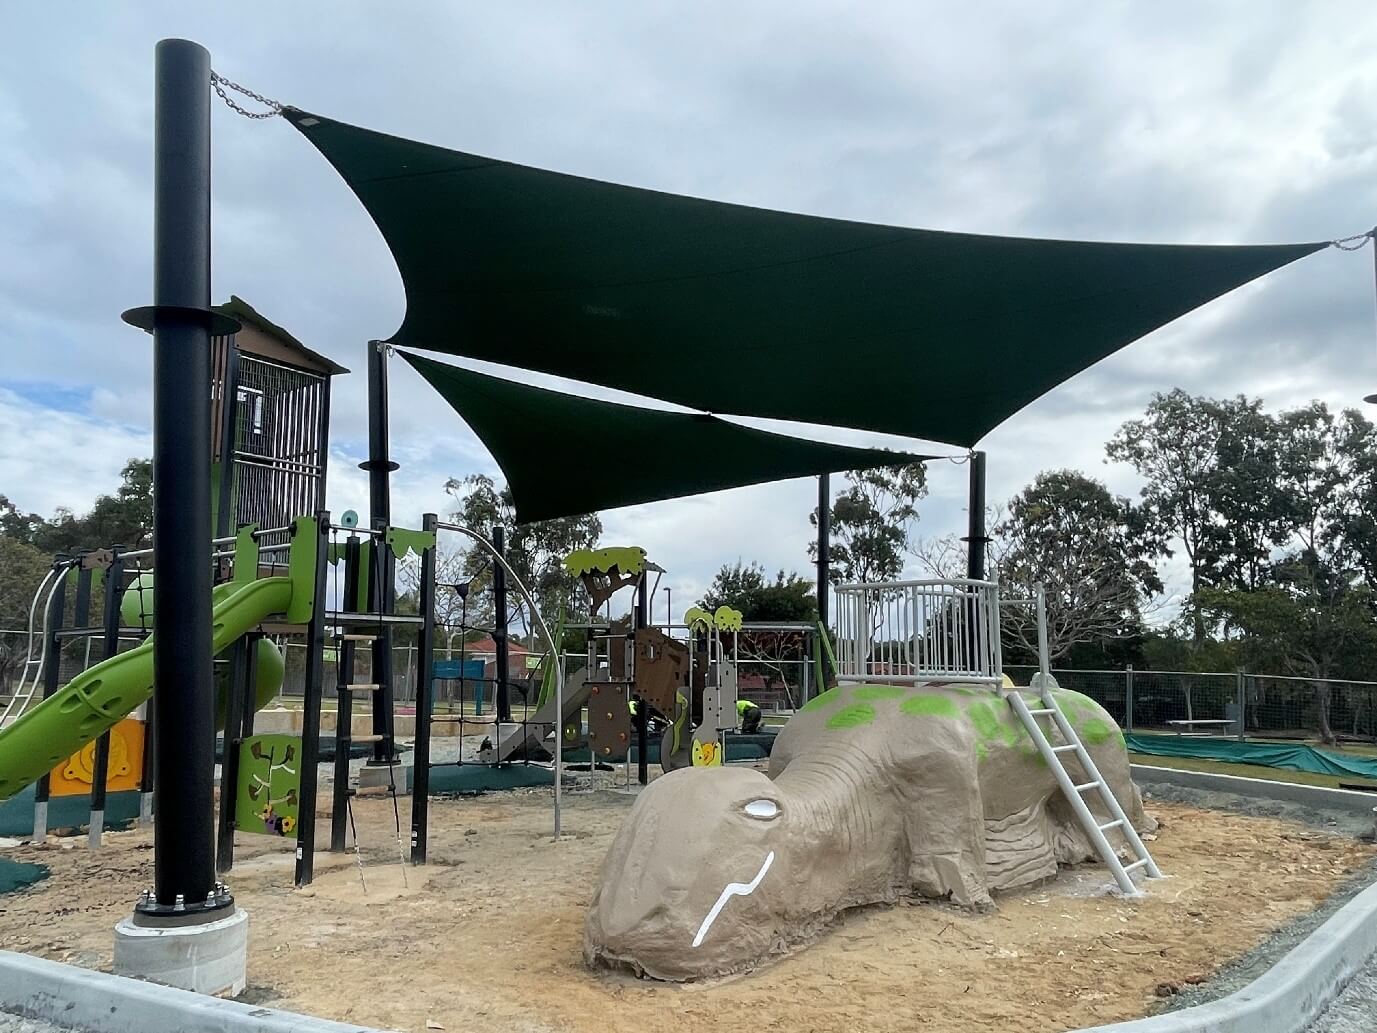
549	640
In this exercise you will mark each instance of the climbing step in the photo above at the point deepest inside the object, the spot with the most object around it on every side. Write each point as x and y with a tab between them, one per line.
1074	791
362	686
363	738
357	638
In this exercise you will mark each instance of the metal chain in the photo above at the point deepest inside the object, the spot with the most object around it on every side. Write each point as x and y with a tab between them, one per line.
220	82
1355	242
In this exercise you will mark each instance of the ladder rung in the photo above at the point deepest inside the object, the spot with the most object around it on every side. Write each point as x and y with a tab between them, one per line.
1068	747
1136	864
363	738
361	686
1111	825
1042	712
357	638
1086	785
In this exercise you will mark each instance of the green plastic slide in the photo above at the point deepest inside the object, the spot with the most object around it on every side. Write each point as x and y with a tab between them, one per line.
97	699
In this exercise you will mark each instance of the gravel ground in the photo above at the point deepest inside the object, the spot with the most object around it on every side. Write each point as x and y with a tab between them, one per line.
1355	1010
10	1023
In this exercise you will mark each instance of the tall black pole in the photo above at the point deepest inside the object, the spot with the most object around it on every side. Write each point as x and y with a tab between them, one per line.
642	718
976	537
824	543
824	570
502	671
425	704
380	466
183	677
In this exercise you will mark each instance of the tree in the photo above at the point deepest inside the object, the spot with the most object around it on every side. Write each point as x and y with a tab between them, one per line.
788	597
535	551
22	568
1175	448
778	655
1313	620
1251	506
872	523
1090	551
124	518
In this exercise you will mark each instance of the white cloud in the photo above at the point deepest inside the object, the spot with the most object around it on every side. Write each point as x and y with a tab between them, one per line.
1170	121
51	458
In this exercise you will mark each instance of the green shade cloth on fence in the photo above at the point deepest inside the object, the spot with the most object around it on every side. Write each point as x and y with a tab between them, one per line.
1298	757
732	309
563	455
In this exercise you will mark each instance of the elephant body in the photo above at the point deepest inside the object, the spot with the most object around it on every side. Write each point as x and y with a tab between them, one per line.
873	792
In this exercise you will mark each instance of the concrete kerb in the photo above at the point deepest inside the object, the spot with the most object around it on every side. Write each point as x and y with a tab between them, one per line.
69	996
1289	996
1260	788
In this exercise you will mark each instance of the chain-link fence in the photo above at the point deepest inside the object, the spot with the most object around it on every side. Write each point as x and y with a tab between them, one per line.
1239	704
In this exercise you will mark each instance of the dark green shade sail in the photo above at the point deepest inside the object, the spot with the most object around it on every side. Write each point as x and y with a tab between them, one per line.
733	309
563	454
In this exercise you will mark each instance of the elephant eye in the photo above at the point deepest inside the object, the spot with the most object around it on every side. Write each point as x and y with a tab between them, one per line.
765	810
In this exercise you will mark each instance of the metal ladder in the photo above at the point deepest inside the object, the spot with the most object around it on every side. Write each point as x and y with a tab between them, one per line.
1076	792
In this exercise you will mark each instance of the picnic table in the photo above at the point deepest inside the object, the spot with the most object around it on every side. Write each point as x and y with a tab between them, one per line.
1187	726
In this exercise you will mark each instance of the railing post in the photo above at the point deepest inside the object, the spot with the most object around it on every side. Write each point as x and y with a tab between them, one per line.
1241	701
1128	698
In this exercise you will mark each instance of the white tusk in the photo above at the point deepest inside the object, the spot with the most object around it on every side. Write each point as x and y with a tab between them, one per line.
734	889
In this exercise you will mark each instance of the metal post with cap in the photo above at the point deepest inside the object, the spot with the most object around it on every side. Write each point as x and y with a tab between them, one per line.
380	467
185	898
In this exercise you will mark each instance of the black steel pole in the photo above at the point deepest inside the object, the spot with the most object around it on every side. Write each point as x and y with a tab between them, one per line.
237	687
824	543
344	706
642	720
425	689
380	466
226	502
976	538
183	821
310	716
100	763
824	569
502	658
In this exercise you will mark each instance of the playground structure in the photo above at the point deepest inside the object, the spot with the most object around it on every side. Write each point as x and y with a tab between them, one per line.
923	772
737	286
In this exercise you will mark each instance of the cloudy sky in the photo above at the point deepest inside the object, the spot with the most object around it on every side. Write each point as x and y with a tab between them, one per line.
1218	123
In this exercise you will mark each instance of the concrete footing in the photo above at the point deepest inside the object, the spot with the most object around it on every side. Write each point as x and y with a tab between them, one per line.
206	956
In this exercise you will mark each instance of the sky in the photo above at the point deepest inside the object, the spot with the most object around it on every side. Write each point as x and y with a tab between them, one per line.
1165	122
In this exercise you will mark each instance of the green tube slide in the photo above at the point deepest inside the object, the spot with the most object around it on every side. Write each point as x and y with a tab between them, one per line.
97	699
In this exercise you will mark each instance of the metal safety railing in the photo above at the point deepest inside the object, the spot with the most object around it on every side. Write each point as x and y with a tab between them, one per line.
912	631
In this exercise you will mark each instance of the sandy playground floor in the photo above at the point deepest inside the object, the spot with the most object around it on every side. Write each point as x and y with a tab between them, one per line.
487	937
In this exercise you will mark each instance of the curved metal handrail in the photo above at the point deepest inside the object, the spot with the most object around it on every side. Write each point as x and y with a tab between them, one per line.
549	641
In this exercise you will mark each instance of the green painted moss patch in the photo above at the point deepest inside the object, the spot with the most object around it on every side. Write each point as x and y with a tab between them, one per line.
826	699
1097	731
928	706
852	716
868	693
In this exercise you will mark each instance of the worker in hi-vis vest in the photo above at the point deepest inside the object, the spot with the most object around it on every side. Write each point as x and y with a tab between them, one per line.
748	714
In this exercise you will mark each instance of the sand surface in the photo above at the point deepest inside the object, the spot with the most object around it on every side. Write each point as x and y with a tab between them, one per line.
487	937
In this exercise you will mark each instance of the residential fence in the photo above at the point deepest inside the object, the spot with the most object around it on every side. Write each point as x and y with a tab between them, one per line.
1234	703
